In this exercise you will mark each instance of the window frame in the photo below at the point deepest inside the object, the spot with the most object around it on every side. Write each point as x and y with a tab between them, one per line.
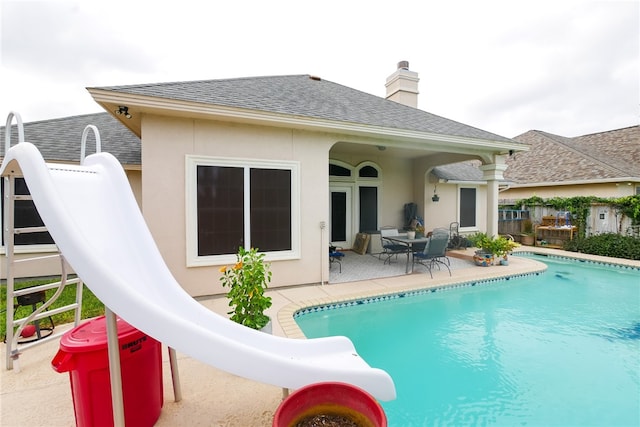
191	207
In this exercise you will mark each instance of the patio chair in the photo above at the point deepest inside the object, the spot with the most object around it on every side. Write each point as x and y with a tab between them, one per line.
434	253
444	232
335	256
389	249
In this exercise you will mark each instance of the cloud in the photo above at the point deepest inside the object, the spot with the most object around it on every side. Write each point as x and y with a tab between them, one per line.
568	67
65	43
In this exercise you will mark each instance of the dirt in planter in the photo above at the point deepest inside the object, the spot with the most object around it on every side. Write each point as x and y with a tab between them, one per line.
327	421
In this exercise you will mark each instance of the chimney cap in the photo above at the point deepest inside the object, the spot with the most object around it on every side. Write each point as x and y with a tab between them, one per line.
403	65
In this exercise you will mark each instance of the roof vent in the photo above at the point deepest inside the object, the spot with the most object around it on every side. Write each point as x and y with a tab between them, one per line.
403	65
316	78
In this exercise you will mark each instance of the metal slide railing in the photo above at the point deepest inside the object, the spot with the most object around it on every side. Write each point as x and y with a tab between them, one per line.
15	327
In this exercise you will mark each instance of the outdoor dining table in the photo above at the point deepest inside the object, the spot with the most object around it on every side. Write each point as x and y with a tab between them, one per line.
409	244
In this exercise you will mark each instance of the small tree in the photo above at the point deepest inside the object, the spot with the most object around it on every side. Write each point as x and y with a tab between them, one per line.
247	281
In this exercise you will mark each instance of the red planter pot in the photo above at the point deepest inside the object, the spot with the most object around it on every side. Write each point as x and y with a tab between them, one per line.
330	398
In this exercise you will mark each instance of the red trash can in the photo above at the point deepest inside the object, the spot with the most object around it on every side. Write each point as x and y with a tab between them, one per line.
84	354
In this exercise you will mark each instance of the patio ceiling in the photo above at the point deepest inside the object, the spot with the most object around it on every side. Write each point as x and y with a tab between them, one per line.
372	150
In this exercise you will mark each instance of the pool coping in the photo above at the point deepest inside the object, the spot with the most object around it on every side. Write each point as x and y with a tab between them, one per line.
522	267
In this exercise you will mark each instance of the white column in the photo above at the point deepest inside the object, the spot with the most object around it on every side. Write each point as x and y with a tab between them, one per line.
492	173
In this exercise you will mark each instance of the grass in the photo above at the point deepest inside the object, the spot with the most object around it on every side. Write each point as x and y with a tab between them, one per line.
91	306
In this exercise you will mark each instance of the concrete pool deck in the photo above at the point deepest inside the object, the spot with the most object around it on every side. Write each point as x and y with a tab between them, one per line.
39	396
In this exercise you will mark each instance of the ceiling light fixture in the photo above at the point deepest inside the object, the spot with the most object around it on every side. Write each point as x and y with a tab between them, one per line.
123	111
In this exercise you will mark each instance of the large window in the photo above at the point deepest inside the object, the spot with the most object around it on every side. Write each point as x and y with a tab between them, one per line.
368	209
233	203
467	207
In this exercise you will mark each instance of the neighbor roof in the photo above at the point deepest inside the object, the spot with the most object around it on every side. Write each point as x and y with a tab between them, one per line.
60	139
309	97
611	155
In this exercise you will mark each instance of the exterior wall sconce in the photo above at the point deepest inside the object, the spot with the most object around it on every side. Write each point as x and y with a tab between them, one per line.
435	197
123	111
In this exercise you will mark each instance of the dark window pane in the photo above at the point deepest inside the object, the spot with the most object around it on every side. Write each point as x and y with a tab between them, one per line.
220	209
368	209
467	207
335	170
368	172
26	215
338	216
271	209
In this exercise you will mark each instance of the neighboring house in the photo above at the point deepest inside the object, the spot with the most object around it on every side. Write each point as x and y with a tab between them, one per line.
603	164
289	164
59	141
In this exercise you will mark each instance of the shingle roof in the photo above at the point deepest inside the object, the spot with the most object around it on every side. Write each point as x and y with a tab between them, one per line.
60	139
463	171
552	158
306	96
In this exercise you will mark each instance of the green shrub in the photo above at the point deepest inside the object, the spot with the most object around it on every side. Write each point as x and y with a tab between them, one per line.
247	281
608	244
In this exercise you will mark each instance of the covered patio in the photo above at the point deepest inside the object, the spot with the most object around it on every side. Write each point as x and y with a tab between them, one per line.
356	267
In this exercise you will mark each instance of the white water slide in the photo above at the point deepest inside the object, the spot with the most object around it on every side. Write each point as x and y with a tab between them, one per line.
91	213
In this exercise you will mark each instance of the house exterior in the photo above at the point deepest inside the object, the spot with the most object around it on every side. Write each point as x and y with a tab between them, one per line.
603	164
290	164
59	141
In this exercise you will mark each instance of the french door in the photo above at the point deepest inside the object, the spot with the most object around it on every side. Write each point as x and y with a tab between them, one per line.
341	216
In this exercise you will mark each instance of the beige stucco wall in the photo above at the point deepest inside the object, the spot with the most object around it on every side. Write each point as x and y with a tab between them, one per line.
135	181
167	142
442	213
598	190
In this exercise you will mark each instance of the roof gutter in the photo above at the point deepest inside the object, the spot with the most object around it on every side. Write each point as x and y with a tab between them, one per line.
628	180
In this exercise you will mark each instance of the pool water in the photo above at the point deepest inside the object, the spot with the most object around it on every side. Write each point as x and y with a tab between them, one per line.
561	348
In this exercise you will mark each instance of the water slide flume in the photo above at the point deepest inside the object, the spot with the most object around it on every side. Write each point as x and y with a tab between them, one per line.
92	215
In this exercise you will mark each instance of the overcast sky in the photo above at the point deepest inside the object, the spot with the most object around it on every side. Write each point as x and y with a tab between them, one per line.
562	66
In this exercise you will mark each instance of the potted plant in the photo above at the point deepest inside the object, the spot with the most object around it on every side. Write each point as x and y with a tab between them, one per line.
247	281
527	235
502	247
484	256
491	248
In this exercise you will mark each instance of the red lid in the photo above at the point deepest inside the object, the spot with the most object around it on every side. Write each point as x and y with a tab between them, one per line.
92	335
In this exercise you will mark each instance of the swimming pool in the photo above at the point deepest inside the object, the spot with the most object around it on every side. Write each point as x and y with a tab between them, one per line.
558	348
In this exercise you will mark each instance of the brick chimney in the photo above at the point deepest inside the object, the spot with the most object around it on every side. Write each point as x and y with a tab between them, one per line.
402	86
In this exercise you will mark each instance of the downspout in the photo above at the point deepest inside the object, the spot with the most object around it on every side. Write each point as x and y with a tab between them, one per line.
323	252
